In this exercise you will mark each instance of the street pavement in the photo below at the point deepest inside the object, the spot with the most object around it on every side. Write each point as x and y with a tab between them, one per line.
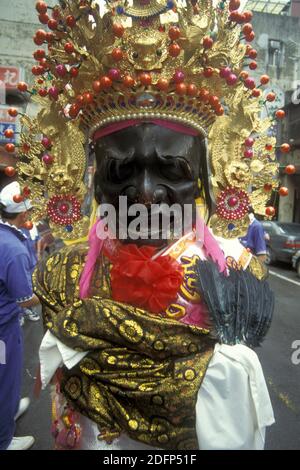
282	376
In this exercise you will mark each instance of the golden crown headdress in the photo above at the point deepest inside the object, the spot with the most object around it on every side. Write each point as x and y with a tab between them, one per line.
148	59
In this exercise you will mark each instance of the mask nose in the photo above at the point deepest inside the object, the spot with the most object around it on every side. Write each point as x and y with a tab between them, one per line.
150	192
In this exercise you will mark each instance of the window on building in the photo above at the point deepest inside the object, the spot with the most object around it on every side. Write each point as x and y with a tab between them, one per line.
275	53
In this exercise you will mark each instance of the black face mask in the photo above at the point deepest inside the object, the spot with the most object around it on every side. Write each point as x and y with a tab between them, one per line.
150	165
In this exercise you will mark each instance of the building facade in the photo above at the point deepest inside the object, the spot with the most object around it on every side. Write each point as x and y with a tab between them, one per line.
277	42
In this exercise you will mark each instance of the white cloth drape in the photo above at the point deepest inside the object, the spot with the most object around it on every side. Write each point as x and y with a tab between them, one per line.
233	406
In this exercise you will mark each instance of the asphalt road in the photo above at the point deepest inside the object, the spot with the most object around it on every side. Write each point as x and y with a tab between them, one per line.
282	376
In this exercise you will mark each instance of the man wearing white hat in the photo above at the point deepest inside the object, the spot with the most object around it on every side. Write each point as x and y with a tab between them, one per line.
15	293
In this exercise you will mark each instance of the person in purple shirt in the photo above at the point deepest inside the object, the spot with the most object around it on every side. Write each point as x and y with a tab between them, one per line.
255	239
32	236
16	293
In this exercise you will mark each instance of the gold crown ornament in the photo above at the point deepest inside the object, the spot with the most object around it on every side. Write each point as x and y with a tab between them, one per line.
184	62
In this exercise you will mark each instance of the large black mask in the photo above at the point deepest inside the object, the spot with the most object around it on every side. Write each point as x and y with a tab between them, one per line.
150	165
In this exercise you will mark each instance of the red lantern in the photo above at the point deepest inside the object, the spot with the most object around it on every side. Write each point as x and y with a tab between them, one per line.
80	100
44	18
264	79
208	72
145	78
256	92
39	54
69	48
162	84
118	30
88	97
280	114
270	211
9	133
250	36
191	90
52	24
247	28
43	92
219	111
283	191
268	187
204	95
252	54
74	110
248	15
290	170
285	148
97	86
180	89
41	34
174	33
10	148
234	5
70	21
22	86
74	71
128	81
214	101
207	42
244	74
105	82
10	171
117	54
174	49
26	191
41	7
18	198
28	225
270	97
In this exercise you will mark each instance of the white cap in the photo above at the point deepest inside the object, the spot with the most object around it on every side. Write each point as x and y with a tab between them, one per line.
7	199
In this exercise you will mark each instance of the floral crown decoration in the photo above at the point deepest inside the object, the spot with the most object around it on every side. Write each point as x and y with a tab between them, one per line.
148	59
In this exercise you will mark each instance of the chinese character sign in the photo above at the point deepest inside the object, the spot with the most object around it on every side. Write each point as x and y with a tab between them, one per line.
10	76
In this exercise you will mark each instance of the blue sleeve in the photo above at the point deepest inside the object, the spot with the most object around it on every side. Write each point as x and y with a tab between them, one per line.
18	278
257	242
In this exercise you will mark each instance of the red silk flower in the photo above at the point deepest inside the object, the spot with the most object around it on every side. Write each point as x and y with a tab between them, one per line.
138	280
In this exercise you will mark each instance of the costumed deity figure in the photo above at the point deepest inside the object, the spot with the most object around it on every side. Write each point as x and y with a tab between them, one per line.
149	341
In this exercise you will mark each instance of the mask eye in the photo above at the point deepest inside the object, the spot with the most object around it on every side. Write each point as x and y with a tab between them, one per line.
135	55
118	172
159	52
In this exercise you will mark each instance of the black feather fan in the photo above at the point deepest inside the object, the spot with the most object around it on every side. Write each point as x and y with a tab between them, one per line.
240	306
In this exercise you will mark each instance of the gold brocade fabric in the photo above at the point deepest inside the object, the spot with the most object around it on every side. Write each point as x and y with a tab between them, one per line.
258	269
142	373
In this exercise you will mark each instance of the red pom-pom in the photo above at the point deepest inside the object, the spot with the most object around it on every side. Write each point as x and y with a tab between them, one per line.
138	280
